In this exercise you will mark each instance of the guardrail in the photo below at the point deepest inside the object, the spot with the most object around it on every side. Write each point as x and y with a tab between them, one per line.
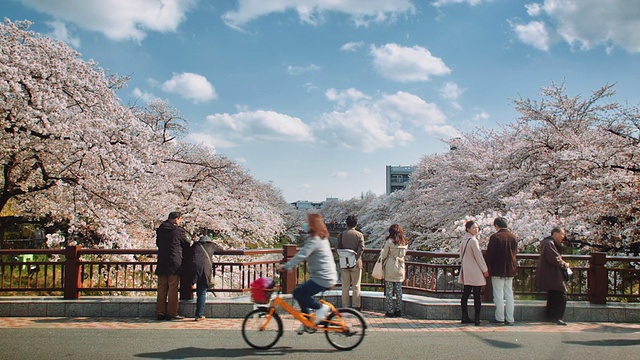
74	271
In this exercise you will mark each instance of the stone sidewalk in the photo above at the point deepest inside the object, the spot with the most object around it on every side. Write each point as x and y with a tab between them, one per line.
375	322
419	308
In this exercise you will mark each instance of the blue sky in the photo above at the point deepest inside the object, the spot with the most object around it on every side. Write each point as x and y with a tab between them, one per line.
318	96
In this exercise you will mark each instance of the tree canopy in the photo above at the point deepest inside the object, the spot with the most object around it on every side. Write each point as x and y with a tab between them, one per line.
74	158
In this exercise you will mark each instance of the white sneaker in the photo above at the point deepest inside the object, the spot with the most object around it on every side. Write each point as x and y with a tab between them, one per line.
322	313
301	330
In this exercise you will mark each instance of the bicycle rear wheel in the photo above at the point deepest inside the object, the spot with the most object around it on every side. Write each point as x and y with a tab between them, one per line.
354	333
253	333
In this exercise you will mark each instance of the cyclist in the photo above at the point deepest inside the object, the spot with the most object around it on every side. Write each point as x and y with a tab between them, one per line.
322	268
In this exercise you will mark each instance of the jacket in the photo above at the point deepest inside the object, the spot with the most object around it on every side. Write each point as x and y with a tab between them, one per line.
501	254
170	239
473	264
320	261
352	239
393	261
203	251
549	271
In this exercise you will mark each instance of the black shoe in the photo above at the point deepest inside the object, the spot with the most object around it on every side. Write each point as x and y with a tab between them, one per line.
161	317
397	314
177	317
561	322
496	322
466	321
359	308
388	314
508	323
477	323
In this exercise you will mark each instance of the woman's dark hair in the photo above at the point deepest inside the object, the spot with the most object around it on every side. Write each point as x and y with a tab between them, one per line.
469	224
397	235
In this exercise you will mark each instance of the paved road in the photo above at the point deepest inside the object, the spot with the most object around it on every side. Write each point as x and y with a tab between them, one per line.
95	344
95	339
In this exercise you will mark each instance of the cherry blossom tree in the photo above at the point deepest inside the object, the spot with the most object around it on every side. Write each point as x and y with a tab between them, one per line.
565	161
75	158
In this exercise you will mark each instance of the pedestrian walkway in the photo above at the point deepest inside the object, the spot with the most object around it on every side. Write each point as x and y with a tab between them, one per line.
375	322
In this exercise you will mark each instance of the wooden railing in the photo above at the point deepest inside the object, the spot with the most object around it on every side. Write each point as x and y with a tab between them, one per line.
74	271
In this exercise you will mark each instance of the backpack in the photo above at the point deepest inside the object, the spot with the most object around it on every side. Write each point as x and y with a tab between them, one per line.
348	258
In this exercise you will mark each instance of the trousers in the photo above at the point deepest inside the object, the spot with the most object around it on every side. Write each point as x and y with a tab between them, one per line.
503	298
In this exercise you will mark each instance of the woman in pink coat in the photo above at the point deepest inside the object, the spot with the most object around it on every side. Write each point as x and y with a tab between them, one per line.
473	271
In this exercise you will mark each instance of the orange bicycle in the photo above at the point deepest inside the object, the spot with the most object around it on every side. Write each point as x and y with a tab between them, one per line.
262	327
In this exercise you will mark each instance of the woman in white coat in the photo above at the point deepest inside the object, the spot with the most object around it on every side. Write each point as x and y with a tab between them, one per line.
473	272
392	255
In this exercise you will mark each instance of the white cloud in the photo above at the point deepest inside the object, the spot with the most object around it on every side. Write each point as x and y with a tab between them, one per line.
339	174
352	46
257	126
584	24
534	34
312	11
366	171
144	96
345	96
297	70
118	19
439	3
387	122
451	92
481	116
208	140
60	32
190	86
533	9
406	64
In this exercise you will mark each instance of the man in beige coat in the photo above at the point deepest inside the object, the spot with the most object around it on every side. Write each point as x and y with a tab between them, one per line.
352	239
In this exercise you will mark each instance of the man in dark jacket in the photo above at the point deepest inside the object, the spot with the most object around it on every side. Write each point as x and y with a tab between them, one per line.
549	275
502	263
170	239
353	240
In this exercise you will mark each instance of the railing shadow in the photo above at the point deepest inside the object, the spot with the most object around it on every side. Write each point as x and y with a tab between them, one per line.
605	342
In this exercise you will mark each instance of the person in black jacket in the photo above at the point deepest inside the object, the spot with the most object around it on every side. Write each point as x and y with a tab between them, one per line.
203	251
549	275
171	239
503	265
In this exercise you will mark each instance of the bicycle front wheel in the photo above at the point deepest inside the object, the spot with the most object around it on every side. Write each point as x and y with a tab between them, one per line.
352	335
260	333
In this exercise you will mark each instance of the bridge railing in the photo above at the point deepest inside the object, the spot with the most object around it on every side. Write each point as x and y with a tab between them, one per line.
73	271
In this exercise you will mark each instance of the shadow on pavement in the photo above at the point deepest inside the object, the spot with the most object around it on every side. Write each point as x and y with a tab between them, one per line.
495	343
194	352
606	342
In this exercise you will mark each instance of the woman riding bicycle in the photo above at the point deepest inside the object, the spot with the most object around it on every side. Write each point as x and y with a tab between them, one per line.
321	267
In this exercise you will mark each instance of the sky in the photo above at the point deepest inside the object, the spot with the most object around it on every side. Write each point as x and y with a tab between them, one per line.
319	96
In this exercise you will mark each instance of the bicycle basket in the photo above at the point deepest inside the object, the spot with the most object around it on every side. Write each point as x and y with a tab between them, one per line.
261	290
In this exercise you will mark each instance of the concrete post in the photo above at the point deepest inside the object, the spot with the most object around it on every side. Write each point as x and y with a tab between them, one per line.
597	278
289	278
72	277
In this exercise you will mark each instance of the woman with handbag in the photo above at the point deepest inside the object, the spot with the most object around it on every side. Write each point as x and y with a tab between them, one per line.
392	255
473	272
203	251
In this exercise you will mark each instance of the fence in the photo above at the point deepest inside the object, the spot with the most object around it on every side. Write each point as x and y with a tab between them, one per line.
74	271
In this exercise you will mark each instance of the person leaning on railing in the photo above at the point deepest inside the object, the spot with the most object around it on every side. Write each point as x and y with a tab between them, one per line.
549	275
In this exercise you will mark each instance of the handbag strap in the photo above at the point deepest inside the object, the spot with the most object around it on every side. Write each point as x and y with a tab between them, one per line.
465	249
207	254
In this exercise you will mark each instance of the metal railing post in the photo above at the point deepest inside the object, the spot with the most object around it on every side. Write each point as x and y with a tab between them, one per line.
72	278
597	278
289	278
